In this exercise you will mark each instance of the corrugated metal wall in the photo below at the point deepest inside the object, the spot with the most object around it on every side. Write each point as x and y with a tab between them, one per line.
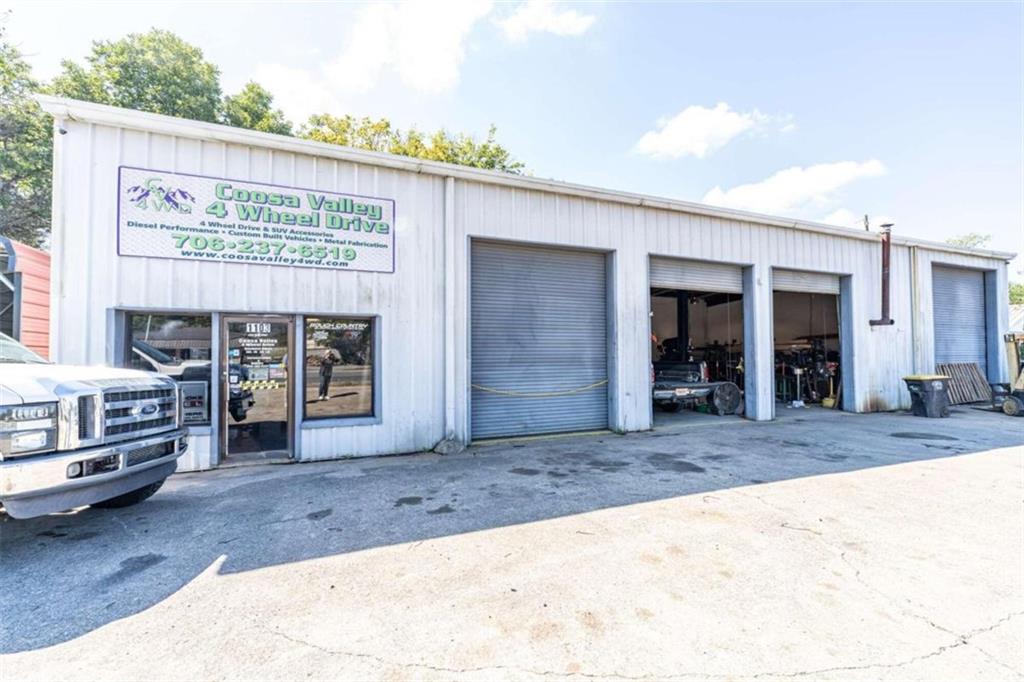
90	280
424	305
881	355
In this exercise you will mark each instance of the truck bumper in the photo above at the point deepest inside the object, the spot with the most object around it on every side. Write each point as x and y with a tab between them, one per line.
682	394
34	486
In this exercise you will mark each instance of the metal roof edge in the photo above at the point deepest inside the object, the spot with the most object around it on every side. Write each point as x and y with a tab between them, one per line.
77	110
952	248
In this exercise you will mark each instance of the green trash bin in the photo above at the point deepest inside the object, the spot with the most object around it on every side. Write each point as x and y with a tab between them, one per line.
929	395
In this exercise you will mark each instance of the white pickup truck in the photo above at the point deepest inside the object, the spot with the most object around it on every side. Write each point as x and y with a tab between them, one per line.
72	436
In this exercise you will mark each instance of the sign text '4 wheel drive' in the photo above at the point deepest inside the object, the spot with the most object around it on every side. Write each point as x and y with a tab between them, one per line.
194	217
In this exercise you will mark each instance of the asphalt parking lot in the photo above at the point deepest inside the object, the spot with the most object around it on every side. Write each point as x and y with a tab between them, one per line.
824	545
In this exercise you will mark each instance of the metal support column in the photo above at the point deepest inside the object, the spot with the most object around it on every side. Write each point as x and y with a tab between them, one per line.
683	322
758	344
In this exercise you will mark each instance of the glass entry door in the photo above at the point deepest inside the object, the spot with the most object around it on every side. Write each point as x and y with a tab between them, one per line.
256	418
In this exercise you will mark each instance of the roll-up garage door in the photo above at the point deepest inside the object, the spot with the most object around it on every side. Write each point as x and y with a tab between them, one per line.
805	282
539	341
695	275
958	304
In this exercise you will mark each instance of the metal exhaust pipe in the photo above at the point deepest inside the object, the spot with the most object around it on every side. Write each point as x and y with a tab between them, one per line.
885	319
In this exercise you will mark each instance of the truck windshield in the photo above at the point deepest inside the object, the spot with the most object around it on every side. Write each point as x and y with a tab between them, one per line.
12	351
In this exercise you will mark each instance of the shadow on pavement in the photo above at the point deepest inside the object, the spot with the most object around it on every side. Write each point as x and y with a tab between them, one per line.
67	574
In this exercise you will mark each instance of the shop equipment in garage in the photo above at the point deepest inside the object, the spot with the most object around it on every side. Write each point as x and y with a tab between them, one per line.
1010	397
807	374
929	395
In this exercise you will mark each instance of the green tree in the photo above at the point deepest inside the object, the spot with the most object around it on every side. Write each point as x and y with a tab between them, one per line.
26	144
381	136
971	240
253	108
377	136
1017	293
161	73
155	71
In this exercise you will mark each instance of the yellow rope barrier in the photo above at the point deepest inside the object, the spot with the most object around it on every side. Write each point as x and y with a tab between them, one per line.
544	394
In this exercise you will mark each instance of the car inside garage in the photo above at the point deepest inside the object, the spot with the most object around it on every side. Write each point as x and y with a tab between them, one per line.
696	338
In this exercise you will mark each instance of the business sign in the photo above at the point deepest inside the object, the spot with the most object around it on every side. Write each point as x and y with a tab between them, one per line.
194	217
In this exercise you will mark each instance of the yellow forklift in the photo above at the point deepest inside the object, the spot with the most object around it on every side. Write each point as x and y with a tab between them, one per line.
1010	397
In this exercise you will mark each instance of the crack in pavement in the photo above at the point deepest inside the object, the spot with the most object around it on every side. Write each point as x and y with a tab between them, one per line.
900	605
961	640
785	524
515	669
890	599
995	660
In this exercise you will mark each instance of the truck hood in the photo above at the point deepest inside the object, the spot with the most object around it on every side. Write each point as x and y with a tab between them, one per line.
37	383
179	369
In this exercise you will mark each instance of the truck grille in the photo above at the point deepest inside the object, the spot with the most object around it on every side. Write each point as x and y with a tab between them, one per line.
148	453
135	412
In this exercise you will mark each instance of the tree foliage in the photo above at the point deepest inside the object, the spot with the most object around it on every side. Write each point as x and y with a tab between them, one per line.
26	144
155	71
160	73
971	240
1017	293
380	135
253	108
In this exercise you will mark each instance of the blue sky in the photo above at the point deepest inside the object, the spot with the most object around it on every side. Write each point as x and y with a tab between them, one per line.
912	112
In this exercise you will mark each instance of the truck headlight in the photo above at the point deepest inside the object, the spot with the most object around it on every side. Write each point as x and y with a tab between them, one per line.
27	429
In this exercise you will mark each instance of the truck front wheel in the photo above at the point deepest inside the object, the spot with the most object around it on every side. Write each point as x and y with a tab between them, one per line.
130	498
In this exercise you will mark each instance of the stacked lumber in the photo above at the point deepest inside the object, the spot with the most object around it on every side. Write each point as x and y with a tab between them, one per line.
966	382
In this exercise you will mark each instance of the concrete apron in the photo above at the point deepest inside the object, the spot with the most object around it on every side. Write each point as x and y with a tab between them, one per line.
882	546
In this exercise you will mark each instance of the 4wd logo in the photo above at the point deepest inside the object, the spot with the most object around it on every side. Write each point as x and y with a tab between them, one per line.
153	195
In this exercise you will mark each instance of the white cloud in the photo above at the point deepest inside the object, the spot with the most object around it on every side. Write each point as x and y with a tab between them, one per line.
847	218
795	188
541	16
844	217
299	93
420	43
697	131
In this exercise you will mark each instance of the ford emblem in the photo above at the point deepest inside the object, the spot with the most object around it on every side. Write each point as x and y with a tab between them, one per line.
149	408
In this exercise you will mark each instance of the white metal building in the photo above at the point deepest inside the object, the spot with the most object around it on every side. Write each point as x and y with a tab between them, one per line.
510	305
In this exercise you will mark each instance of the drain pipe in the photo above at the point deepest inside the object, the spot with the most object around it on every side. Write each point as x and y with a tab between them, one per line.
885	320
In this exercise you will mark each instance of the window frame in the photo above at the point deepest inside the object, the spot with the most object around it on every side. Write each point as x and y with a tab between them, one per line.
307	421
122	354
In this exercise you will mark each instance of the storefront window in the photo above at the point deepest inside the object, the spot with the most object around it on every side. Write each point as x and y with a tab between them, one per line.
178	346
339	368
